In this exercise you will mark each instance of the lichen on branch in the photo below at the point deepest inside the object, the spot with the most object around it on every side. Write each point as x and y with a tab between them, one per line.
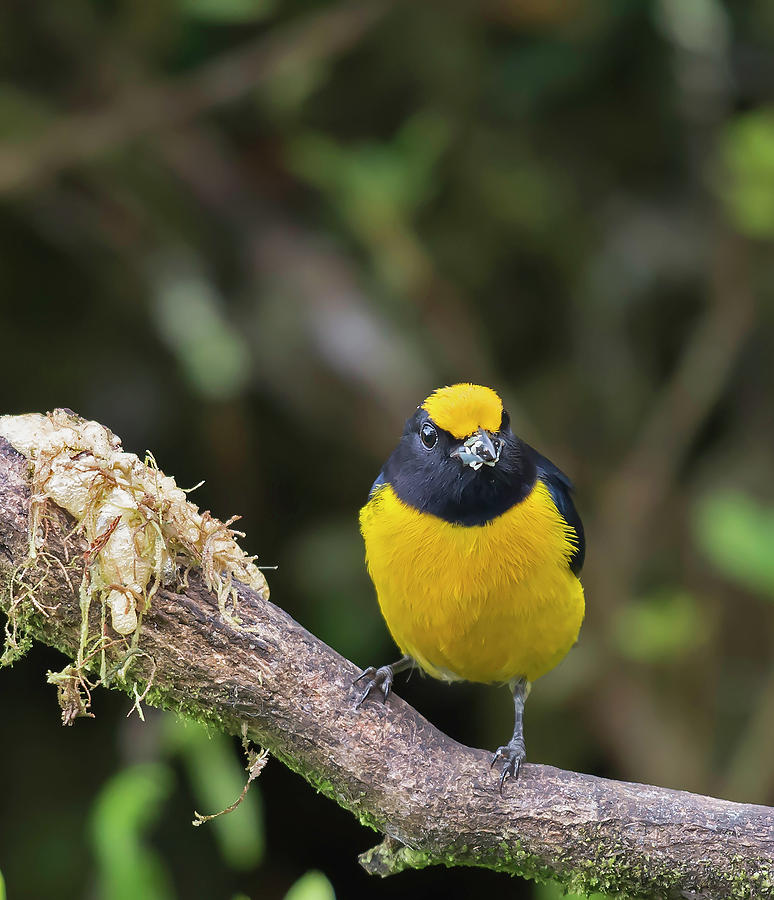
141	532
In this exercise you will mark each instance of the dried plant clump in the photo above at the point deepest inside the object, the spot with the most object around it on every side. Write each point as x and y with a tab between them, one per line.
140	528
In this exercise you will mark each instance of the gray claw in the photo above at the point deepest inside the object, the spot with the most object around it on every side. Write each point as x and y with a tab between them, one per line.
380	678
513	755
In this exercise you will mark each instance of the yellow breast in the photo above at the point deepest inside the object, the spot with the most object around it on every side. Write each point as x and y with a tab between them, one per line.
481	603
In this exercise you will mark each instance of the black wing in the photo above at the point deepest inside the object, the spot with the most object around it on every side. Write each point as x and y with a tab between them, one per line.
560	487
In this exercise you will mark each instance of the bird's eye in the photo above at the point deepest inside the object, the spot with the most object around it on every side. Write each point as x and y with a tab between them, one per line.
429	436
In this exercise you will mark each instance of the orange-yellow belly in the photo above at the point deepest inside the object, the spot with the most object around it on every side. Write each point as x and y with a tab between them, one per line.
482	603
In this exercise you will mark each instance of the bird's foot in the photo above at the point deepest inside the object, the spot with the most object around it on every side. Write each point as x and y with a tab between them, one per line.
513	755
380	679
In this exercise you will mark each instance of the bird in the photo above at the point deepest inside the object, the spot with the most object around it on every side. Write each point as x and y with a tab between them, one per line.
475	548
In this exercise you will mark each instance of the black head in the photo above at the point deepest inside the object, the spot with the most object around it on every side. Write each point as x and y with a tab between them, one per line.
467	481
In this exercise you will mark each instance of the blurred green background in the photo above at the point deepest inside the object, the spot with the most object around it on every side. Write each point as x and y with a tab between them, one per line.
252	235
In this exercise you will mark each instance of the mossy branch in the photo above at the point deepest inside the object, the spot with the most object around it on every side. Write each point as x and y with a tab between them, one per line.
435	800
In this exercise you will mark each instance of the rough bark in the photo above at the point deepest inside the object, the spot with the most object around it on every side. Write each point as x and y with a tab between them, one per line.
435	800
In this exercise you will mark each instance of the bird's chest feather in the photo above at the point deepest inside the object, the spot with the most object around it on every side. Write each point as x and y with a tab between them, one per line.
486	602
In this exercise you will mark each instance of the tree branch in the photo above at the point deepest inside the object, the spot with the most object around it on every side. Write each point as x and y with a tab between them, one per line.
435	800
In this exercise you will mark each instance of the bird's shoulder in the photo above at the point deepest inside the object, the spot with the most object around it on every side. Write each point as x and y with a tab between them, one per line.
380	481
560	487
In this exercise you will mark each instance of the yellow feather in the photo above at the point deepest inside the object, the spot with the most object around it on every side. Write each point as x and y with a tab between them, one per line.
464	408
482	603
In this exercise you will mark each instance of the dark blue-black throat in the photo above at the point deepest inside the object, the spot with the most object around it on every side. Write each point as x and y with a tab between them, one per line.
433	482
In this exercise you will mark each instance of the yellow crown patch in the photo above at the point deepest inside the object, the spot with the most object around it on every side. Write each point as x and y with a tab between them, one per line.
464	408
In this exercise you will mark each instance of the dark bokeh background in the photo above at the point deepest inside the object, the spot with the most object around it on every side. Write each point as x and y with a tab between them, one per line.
252	236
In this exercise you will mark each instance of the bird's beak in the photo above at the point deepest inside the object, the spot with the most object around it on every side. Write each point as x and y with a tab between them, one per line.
478	450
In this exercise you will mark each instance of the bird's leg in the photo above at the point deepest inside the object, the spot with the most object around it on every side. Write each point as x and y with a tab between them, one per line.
514	752
381	678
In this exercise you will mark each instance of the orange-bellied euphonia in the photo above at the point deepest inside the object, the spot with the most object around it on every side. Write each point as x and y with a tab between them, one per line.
474	546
